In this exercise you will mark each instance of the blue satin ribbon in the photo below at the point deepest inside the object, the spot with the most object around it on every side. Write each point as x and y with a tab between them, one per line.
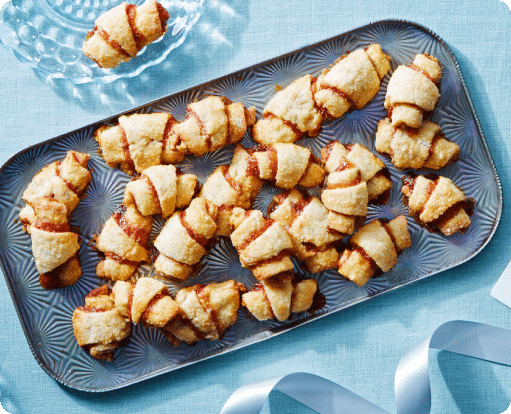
412	386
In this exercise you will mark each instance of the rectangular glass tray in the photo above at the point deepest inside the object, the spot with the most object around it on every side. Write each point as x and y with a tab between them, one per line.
46	315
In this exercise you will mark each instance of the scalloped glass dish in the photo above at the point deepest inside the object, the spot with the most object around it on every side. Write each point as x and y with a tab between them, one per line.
49	34
46	315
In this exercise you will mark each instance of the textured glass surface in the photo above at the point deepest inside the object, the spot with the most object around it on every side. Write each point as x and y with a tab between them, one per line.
49	34
46	315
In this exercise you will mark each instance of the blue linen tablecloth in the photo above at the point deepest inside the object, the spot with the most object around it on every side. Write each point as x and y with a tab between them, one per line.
358	348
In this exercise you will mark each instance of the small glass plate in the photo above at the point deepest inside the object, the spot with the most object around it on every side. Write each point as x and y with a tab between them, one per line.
49	34
46	315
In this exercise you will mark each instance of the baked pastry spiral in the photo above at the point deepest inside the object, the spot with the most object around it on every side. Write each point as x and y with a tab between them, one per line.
413	90
263	244
424	147
211	123
373	249
372	169
278	298
286	165
352	81
146	301
437	203
206	312
184	238
306	220
98	326
161	189
140	141
124	243
290	114
231	186
51	196
120	33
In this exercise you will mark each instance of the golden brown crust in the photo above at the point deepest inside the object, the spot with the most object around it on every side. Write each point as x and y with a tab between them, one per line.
140	141
373	248
51	196
207	311
231	186
424	147
159	190
306	220
437	202
123	239
413	90
183	239
98	326
263	244
277	298
290	113
120	33
352	81
287	165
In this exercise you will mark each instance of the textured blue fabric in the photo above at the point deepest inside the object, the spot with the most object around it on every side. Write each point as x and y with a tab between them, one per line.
358	348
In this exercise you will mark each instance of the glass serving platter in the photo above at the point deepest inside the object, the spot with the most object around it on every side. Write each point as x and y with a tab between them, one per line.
46	315
49	34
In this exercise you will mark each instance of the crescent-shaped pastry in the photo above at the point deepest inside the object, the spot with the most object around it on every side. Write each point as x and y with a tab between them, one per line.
352	81
210	124
231	186
160	190
437	203
424	147
120	33
138	141
413	90
98	326
346	193
145	301
183	239
372	169
278	298
124	243
374	248
207	311
286	165
306	220
290	114
263	244
51	196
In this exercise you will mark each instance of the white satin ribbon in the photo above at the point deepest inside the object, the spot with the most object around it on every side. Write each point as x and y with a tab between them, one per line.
412	387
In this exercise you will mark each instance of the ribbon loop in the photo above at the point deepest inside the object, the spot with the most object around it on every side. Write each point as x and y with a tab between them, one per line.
412	386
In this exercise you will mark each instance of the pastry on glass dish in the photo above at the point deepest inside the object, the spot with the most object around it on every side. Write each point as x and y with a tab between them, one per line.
306	220
123	243
50	197
286	165
98	326
184	238
160	189
206	312
413	90
374	249
352	81
120	33
263	245
424	147
278	298
437	203
140	141
231	186
290	114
